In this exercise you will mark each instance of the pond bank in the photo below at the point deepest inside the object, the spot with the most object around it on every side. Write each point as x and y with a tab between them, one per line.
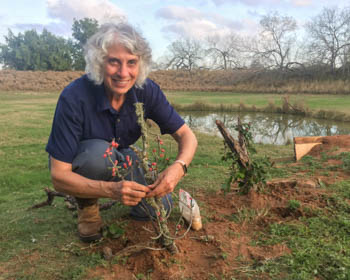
297	109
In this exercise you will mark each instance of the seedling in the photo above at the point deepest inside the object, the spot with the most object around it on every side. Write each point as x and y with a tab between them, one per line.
245	170
152	164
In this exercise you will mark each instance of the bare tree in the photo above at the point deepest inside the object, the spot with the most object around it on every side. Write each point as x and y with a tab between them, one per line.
274	45
329	34
184	54
224	51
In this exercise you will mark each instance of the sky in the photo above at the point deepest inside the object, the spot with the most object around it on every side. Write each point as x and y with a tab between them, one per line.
160	21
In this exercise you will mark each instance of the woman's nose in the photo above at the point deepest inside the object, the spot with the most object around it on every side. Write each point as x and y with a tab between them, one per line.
122	70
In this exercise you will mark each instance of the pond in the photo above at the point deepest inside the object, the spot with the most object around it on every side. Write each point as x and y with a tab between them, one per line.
266	128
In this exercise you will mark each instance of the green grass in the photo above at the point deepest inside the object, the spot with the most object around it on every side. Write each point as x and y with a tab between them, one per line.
338	103
42	243
320	245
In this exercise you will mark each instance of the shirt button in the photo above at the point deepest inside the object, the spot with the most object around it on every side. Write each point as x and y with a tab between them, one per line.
118	120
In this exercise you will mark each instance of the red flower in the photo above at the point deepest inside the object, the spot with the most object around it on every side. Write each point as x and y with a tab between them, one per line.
154	150
160	142
154	163
162	150
115	162
125	166
161	155
104	155
150	169
127	158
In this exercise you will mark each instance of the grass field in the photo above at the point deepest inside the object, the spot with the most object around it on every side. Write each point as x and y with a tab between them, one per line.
42	243
338	103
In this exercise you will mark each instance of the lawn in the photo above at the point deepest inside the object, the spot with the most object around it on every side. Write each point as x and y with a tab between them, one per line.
338	103
298	233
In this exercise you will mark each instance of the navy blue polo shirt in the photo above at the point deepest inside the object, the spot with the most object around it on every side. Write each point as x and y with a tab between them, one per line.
84	112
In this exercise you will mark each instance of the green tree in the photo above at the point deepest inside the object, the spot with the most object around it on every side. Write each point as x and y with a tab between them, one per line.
82	30
33	51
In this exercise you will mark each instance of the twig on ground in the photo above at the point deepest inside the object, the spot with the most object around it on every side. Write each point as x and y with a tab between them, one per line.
71	203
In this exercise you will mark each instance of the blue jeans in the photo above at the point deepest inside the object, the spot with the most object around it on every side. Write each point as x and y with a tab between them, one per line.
90	163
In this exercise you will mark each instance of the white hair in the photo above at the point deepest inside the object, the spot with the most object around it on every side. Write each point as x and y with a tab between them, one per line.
111	34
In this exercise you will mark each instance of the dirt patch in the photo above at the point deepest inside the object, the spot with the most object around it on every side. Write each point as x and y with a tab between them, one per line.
331	145
11	80
228	241
233	224
240	80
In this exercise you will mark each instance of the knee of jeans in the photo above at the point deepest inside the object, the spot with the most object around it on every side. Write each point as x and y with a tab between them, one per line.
90	162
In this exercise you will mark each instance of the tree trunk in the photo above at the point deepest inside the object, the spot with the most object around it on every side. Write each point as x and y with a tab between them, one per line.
237	147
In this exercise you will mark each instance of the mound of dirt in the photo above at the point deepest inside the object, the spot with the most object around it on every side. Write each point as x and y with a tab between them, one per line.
234	80
331	145
227	243
11	80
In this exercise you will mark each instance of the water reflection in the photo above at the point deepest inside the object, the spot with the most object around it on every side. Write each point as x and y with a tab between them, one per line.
267	128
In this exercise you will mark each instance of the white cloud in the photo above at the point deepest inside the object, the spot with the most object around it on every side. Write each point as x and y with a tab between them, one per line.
63	12
197	29
179	13
67	10
248	2
302	3
190	22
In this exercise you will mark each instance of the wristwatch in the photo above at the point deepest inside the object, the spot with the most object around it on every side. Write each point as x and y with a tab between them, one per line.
183	164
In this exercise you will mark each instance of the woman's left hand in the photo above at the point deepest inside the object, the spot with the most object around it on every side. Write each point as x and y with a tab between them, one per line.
166	181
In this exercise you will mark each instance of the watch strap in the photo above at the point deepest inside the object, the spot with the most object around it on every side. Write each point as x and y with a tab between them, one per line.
183	164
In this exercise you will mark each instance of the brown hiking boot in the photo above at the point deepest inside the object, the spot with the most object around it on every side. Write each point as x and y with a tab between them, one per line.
89	220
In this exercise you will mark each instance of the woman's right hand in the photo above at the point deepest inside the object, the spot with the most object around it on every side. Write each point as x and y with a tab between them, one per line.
128	192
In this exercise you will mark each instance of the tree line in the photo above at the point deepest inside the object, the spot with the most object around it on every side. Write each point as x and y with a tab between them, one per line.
322	50
46	51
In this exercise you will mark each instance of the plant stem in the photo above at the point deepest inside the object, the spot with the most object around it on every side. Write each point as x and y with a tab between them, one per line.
156	203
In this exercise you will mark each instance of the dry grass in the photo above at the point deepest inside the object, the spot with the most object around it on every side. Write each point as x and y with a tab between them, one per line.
11	80
241	81
245	81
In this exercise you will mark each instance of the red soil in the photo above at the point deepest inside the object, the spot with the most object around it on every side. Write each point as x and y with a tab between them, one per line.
228	243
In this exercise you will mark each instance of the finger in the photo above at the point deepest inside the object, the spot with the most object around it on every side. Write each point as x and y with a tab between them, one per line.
131	201
132	194
157	192
141	188
155	184
137	187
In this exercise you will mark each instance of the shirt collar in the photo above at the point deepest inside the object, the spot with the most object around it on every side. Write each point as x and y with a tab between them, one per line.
103	103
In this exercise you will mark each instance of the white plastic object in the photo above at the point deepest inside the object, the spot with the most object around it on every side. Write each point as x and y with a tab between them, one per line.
186	202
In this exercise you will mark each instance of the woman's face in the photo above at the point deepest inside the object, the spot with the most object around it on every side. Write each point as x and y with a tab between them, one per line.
121	69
